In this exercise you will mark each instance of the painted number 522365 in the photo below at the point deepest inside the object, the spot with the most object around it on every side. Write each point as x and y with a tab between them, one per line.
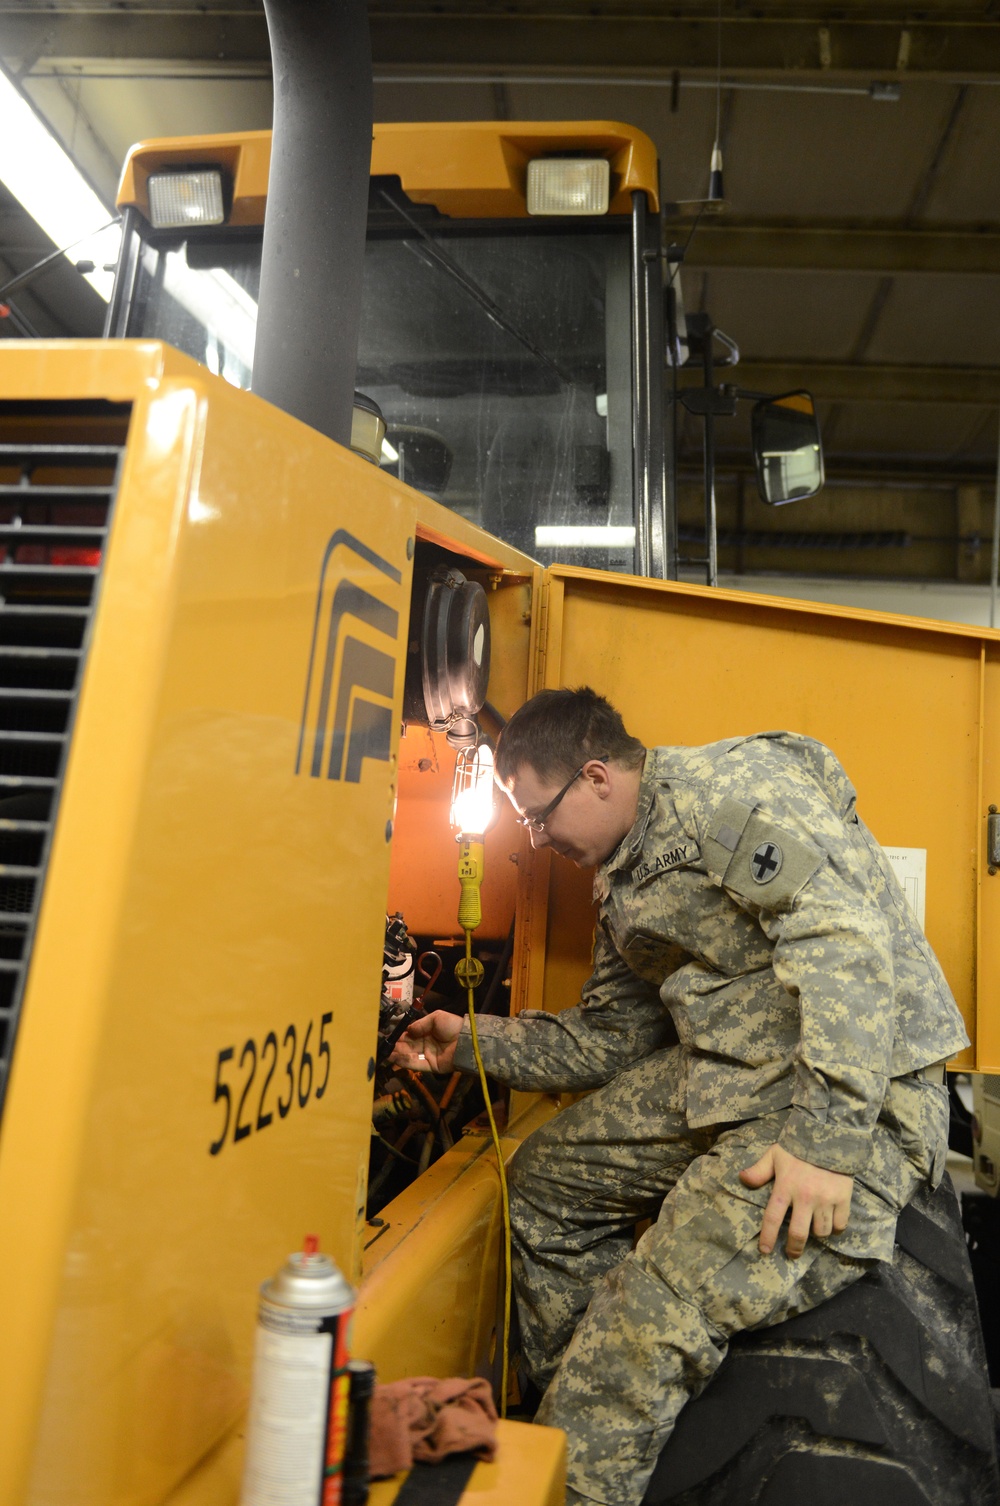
250	1103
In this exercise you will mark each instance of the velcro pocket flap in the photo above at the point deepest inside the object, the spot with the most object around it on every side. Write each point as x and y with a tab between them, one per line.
723	837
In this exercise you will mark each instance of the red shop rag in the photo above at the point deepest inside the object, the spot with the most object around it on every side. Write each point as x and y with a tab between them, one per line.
421	1420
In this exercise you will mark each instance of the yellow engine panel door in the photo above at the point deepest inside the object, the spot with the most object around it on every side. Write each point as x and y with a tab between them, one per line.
910	707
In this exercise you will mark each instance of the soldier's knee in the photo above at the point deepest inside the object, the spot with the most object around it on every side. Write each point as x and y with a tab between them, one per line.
521	1169
534	1166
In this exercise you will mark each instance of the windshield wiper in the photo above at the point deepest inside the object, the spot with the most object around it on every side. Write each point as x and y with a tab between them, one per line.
485	302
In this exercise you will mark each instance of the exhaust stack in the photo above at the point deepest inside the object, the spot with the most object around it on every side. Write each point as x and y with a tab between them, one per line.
306	354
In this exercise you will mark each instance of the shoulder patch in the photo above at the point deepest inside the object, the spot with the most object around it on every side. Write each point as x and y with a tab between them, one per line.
769	866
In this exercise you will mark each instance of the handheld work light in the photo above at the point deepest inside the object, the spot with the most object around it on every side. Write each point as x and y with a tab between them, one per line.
472	811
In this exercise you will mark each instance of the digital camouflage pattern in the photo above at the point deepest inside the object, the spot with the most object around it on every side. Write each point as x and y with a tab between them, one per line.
758	976
809	989
659	1318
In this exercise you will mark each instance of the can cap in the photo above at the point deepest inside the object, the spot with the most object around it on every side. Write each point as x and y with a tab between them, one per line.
309	1279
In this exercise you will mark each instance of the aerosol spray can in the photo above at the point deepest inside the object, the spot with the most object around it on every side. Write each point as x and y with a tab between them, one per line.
297	1428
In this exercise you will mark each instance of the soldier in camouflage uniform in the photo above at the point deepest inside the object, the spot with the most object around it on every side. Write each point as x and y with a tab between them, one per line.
764	1028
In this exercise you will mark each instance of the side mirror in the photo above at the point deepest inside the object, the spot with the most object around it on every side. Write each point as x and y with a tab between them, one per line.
787	448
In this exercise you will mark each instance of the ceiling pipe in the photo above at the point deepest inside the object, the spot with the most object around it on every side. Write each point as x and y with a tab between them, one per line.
306	353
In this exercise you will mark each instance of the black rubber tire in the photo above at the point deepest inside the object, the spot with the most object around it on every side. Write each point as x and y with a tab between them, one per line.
878	1398
981	1220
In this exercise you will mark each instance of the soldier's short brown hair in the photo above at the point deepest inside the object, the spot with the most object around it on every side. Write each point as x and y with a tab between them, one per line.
558	730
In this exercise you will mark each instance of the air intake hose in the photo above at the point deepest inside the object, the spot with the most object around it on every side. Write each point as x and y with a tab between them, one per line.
317	204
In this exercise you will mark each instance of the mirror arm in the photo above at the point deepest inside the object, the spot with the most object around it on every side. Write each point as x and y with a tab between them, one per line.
702	400
708	442
730	344
745	394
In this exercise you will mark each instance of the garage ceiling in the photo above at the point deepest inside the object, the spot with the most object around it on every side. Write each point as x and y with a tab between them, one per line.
859	253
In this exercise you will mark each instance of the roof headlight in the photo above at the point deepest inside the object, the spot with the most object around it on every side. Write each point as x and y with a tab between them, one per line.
180	200
569	185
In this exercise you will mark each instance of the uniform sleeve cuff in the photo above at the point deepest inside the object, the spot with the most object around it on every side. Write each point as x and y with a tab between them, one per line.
831	1146
464	1059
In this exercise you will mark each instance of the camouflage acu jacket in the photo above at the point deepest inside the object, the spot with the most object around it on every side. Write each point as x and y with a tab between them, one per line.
750	915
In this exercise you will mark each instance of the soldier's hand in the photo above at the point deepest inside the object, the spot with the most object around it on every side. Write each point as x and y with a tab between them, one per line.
820	1200
429	1043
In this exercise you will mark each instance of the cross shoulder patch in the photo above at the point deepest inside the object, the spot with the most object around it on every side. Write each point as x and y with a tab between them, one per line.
768	866
765	862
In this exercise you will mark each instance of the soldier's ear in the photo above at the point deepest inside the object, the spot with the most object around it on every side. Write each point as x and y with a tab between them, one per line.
598	775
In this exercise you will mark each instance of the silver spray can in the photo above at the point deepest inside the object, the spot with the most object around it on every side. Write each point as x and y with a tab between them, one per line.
297	1428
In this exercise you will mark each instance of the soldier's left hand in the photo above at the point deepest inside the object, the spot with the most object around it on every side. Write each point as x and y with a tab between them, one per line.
820	1200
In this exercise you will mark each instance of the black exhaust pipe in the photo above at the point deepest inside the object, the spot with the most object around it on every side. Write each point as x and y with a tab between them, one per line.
306	353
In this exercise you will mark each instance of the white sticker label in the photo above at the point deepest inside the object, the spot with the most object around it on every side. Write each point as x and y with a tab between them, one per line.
909	864
287	1428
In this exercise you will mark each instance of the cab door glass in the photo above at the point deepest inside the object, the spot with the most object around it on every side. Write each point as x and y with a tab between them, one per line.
499	353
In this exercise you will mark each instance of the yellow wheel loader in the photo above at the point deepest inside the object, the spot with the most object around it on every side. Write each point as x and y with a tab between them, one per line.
241	635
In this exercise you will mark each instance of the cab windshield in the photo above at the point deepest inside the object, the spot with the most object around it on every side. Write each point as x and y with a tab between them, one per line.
499	353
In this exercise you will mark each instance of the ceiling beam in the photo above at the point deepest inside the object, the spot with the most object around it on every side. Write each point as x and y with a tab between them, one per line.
653	44
883	249
190	39
131	43
833	381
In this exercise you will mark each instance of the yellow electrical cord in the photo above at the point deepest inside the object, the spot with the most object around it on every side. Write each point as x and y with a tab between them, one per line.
504	1199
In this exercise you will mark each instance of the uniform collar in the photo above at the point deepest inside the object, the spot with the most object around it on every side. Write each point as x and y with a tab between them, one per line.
626	854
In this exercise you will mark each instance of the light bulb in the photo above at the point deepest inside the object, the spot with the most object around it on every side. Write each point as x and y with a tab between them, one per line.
473	791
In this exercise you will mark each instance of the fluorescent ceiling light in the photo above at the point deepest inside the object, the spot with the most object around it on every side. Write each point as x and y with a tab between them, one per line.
47	182
580	538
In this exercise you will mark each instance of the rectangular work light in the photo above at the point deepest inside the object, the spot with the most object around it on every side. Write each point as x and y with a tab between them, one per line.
569	185
46	182
183	200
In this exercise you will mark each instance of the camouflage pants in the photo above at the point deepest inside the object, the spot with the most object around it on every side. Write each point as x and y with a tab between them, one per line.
623	1338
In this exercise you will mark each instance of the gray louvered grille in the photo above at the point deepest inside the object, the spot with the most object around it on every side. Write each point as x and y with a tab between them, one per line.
55	510
991	1088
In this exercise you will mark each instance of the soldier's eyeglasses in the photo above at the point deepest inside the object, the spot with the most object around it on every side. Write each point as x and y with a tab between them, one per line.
537	823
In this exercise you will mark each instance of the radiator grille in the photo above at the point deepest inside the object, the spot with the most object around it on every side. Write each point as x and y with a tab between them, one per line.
55	510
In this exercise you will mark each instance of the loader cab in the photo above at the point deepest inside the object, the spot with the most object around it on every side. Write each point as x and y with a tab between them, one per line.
512	324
